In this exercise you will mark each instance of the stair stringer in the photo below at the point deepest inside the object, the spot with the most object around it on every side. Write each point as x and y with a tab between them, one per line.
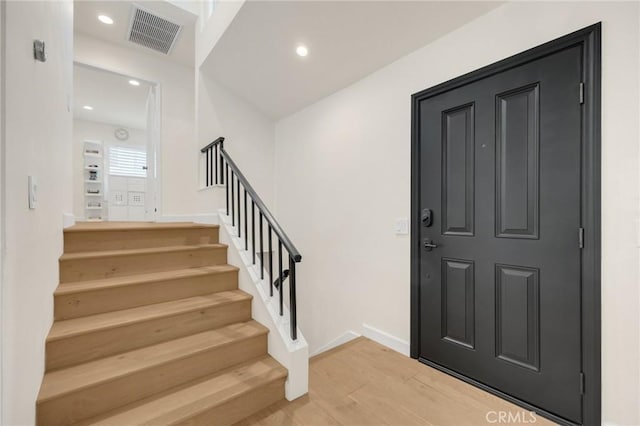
293	355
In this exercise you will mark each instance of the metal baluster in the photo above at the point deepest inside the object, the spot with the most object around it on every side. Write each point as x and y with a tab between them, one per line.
281	289
233	202
239	212
270	265
206	155
253	231
222	180
215	162
246	234
261	251
227	186
292	298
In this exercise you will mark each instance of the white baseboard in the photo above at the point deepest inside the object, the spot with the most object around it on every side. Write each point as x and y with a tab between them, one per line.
340	340
68	220
386	339
205	218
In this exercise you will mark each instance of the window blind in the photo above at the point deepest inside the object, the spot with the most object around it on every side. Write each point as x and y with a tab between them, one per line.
125	161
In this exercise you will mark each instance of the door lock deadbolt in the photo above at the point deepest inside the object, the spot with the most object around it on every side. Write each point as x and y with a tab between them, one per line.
427	217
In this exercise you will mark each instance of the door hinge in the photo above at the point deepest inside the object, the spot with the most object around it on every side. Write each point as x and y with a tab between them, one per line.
582	383
581	237
581	92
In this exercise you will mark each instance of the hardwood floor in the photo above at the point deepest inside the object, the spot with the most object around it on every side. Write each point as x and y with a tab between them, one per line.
364	383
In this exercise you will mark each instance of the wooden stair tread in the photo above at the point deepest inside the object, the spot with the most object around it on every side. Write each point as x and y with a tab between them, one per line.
64	381
183	402
130	252
91	285
152	329
77	326
134	226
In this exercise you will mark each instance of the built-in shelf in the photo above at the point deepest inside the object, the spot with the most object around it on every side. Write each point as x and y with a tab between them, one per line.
93	151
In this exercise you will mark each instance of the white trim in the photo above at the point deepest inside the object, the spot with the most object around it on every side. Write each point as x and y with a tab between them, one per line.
338	341
3	227
292	354
205	218
386	339
68	219
210	187
156	134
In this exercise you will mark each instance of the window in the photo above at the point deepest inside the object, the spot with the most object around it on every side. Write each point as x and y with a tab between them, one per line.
126	161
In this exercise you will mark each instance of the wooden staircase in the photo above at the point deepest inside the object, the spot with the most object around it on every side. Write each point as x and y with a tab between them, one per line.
151	329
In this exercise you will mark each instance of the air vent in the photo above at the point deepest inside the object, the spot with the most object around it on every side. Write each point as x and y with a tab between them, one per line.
152	31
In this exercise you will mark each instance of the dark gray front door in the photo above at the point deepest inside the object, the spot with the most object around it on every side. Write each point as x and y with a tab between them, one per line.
500	177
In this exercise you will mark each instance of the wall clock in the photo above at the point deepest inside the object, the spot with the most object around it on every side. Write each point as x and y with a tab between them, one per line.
121	134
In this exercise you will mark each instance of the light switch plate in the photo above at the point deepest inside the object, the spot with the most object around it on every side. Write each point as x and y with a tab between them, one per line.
402	226
39	51
33	192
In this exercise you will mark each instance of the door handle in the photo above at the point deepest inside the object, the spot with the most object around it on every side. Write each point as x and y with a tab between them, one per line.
429	244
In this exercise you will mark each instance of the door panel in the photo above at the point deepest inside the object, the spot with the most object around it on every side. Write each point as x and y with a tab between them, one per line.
517	163
517	316
499	168
457	171
458	318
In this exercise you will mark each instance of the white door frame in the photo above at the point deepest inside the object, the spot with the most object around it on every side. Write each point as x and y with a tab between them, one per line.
154	158
154	177
3	248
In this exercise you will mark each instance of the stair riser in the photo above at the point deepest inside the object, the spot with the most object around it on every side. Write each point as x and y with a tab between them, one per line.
91	401
236	409
85	303
115	266
69	351
86	241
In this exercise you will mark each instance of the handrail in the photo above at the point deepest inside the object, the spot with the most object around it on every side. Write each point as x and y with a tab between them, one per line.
217	165
216	142
275	226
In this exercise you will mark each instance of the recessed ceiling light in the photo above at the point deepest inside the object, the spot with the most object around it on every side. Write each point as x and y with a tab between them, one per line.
105	19
88	107
302	51
134	82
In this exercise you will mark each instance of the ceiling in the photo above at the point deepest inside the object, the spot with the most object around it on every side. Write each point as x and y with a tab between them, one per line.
85	22
347	40
113	99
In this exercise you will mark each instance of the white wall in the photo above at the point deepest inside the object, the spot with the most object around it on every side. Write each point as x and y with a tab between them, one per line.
36	141
178	151
249	137
84	129
250	134
211	27
343	176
